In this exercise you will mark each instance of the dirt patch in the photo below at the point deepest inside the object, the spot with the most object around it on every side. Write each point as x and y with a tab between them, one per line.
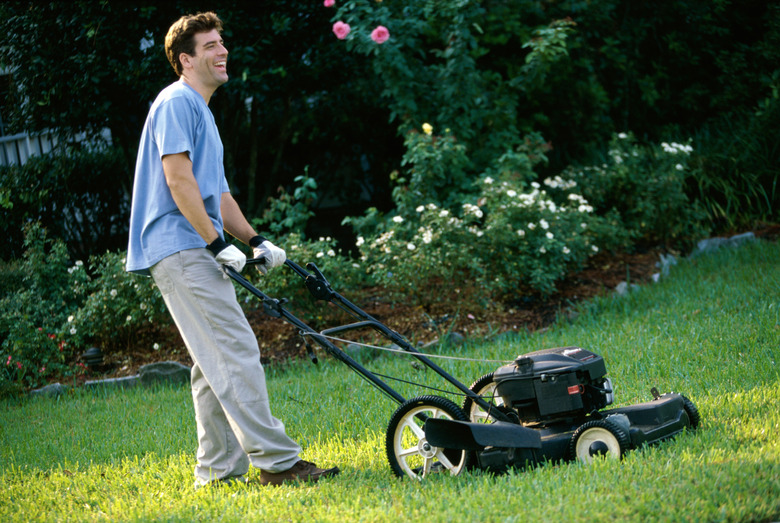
280	342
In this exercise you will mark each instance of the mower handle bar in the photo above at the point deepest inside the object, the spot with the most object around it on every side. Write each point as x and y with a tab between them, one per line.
320	288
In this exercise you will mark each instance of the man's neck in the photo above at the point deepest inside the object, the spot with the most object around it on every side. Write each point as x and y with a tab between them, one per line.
201	90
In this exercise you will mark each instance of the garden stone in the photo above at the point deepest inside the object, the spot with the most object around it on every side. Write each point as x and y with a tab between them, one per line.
713	244
53	389
122	383
360	353
623	288
164	372
665	263
451	338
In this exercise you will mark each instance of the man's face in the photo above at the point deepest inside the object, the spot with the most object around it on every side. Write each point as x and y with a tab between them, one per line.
209	63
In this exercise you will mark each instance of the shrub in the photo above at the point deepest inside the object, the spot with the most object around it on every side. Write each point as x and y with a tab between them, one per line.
536	234
115	306
32	314
645	186
289	213
76	196
62	307
735	172
504	235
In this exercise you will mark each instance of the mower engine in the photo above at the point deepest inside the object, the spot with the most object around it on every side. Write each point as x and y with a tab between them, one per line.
552	385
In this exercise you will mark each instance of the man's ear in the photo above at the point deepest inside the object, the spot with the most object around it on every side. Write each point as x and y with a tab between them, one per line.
185	59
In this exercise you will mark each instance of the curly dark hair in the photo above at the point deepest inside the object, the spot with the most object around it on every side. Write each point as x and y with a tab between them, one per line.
180	37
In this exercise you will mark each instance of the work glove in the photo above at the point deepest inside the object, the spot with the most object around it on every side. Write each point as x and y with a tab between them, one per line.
227	254
262	248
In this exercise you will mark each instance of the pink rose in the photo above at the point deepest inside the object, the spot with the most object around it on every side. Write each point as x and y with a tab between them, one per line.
341	30
380	34
329	3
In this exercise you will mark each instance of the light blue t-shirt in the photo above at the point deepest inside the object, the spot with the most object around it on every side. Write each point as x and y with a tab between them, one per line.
178	121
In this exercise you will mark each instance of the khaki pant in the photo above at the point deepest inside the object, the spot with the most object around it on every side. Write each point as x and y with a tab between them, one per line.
234	421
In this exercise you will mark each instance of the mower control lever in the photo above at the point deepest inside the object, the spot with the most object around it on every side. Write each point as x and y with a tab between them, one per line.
318	285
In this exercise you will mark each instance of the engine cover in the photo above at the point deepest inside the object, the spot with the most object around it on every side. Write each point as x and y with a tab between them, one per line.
554	383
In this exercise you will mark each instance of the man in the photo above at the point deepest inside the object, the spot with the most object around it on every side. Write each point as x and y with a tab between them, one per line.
181	205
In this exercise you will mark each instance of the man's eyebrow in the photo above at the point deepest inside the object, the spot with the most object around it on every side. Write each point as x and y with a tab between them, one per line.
212	42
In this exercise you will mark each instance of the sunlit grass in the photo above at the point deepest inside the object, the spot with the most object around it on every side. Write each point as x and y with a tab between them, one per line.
711	331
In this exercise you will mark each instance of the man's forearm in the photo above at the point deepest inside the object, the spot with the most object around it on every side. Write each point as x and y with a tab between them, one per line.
186	193
234	220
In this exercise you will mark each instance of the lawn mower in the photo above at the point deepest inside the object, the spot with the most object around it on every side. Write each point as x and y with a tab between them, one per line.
544	406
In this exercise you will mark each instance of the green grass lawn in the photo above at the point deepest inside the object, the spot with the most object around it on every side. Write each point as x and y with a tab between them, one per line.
711	331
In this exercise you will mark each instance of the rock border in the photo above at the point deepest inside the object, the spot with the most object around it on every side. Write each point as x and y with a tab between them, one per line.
160	373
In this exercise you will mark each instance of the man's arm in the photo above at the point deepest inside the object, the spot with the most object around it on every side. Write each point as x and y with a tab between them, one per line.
234	221
186	193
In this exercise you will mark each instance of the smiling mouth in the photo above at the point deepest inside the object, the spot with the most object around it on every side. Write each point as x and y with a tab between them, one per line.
221	64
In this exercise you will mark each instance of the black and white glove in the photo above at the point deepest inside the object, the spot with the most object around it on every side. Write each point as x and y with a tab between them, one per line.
227	254
262	248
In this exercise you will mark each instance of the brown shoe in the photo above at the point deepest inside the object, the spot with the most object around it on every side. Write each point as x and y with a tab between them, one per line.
301	471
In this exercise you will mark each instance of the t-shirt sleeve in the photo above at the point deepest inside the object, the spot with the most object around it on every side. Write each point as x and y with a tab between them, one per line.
174	127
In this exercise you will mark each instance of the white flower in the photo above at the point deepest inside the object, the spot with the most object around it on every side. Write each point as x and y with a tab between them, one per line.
584	225
543	224
143	306
594	248
622	136
331	253
113	293
444	213
511	193
427	236
566	250
472	209
320	254
420	208
360	241
398	219
532	226
129	319
431	206
73	330
542	250
79	263
521	233
70	319
679	167
550	235
156	346
488	180
410	246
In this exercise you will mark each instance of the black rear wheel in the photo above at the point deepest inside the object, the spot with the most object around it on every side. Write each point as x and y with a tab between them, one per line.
485	388
409	452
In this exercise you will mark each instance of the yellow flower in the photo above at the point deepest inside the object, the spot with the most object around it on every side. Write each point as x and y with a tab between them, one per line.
427	128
